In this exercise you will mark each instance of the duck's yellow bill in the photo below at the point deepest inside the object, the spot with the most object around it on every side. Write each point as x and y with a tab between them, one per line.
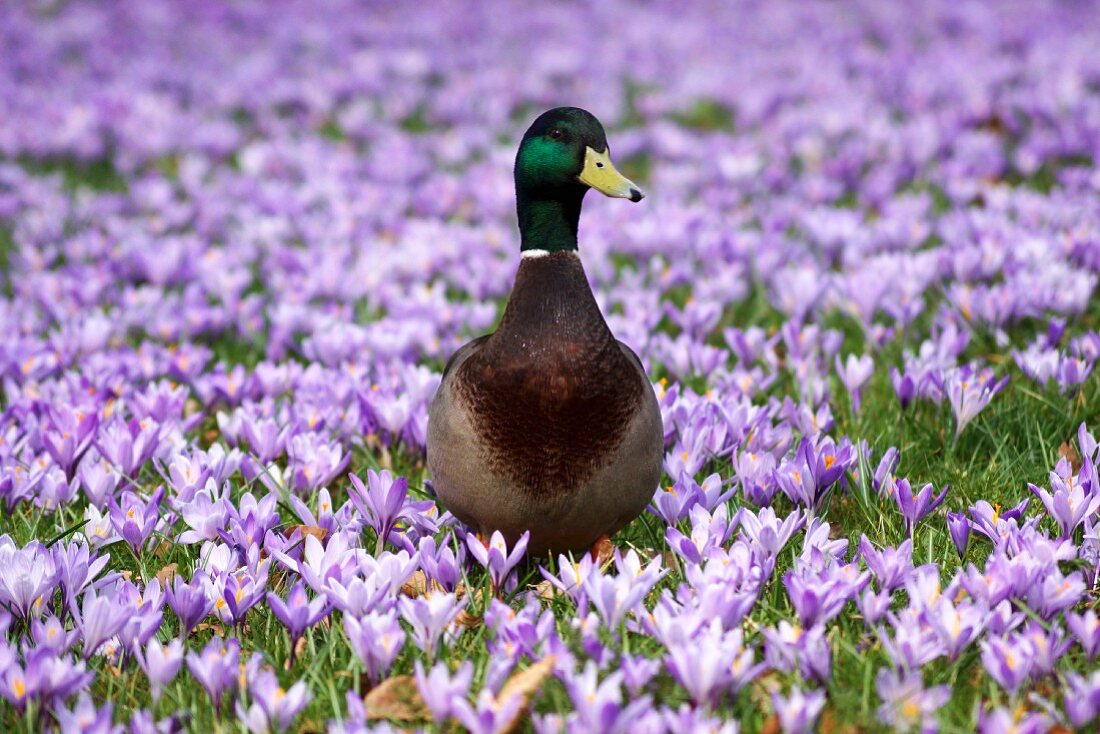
600	173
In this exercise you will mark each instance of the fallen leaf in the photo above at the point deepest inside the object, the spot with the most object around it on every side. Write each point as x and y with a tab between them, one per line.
546	591
603	551
771	726
417	585
525	684
166	574
468	620
305	530
396	698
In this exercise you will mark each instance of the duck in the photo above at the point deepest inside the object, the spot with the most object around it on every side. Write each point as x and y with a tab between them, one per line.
549	425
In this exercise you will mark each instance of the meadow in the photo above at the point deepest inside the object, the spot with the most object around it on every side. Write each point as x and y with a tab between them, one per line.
238	243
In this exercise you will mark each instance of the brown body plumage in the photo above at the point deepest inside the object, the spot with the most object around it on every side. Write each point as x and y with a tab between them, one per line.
549	424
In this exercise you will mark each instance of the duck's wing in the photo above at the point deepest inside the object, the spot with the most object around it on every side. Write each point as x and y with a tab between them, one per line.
465	351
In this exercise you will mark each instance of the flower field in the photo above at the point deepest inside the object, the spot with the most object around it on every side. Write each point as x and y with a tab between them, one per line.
239	241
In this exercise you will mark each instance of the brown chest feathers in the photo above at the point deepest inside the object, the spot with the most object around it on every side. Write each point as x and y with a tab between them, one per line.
552	392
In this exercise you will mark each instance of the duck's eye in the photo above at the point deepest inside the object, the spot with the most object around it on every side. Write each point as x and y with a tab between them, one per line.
555	134
599	164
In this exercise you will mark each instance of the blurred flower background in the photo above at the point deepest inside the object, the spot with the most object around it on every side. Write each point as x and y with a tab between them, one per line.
239	240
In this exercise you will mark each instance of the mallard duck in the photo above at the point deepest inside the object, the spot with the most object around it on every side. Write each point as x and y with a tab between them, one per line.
549	424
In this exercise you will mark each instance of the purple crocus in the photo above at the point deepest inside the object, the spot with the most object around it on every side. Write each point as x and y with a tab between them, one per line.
380	502
430	615
297	613
161	663
906	703
215	668
1082	698
958	527
854	373
1071	502
1086	628
1008	661
129	444
376	639
969	389
28	576
599	704
891	566
273	708
798	711
495	557
135	518
487	715
99	618
87	718
189	601
1001	720
67	435
915	507
439	688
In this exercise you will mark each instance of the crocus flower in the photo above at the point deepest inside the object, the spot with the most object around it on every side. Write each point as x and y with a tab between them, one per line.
274	708
599	704
1086	629
1082	698
615	597
161	663
958	527
1070	503
891	566
969	390
487	715
128	444
1001	720
134	519
440	564
100	618
380	502
189	601
854	373
85	716
27	576
67	436
215	668
430	615
439	688
298	613
1007	661
916	506
495	557
798	711
906	704
376	639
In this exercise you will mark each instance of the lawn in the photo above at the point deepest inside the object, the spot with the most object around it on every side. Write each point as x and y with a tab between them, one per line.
238	244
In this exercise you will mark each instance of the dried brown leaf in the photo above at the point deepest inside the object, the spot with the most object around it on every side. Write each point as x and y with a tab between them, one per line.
166	574
525	684
417	585
771	726
546	591
305	530
603	551
397	699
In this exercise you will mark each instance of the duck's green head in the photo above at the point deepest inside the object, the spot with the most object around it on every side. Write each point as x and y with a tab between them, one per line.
563	154
566	148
